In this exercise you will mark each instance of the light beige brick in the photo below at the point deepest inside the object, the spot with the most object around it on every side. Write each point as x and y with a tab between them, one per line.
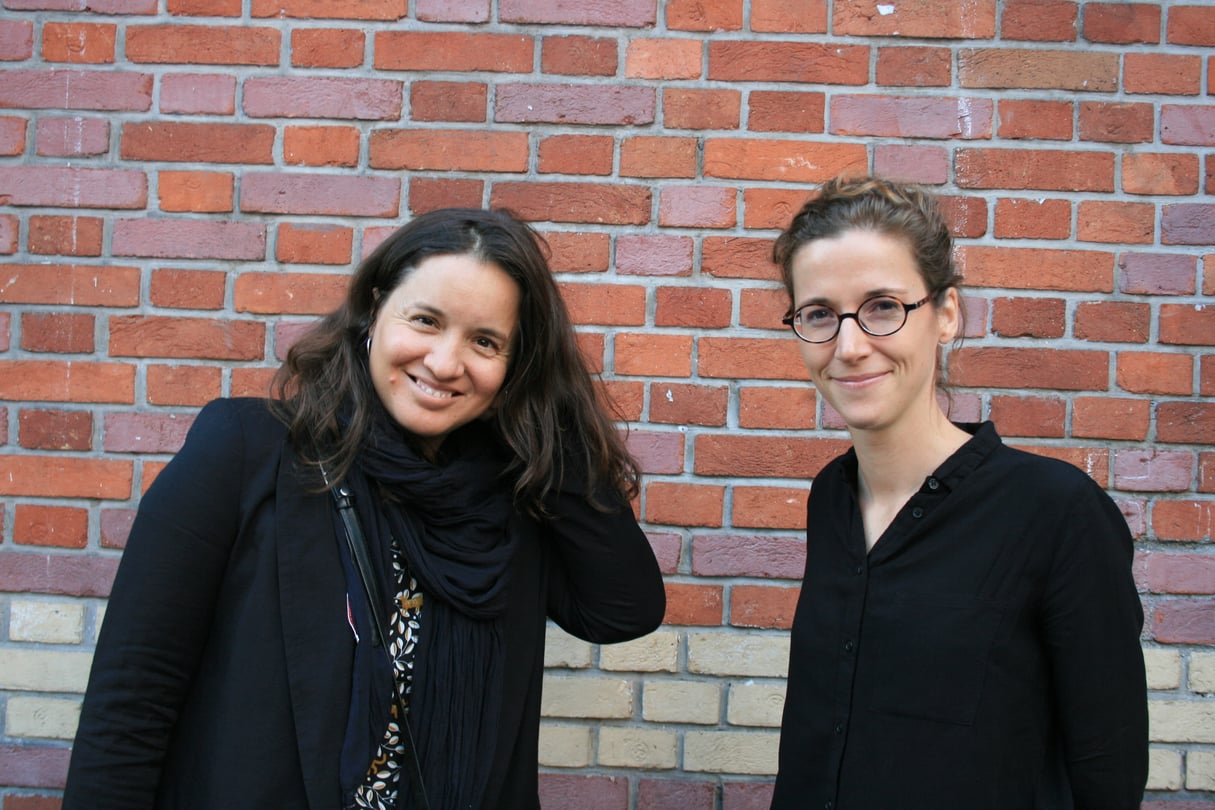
1163	667
681	702
756	704
1202	672
1181	721
637	748
1200	770
46	622
657	652
570	696
749	752
563	650
22	668
1164	769
98	620
43	717
738	653
565	746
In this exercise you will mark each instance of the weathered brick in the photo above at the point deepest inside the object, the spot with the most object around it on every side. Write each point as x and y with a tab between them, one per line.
1029	416
1039	20
606	305
1187	324
681	701
1113	321
561	791
64	477
1007	367
321	145
198	94
910	66
698	206
575	202
754	556
1045	169
288	293
663	59
202	45
677	504
175	336
64	333
1029	69
76	90
66	381
786	161
70	187
912	117
582	696
189	239
564	746
1122	23
384	10
56	526
16	40
184	142
1184	520
145	432
762	606
1162	74
183	385
453	51
1153	470
617	13
1192	24
676	404
46	622
692	108
1184	620
77	285
65	236
1187	125
329	97
657	453
1037	269
575	55
626	747
919	18
327	47
72	137
80	43
808	62
1187	224
195	191
1035	119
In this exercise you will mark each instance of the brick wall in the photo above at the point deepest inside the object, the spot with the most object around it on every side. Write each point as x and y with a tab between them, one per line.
184	185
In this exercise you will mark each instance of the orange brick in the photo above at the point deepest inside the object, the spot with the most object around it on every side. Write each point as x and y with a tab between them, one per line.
198	192
1033	219
1111	418
65	236
670	504
690	604
763	606
690	108
188	289
653	355
645	156
769	508
327	47
79	43
675	404
58	526
300	243
183	385
1041	416
917	18
1113	321
699	307
704	15
914	67
605	305
576	154
578	252
1147	173
449	101
789	16
321	146
1035	120
663	59
289	293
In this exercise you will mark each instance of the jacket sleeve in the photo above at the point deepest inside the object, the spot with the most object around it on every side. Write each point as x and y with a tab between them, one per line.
604	581
158	617
1092	620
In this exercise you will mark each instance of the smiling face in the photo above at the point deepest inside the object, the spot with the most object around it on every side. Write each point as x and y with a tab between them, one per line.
441	344
875	383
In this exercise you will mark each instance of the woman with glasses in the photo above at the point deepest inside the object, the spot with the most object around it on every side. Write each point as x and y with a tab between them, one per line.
967	634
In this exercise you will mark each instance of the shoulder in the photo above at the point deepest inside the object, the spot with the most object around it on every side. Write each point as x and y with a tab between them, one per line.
249	417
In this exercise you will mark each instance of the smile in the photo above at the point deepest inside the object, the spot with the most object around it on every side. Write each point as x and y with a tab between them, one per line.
433	392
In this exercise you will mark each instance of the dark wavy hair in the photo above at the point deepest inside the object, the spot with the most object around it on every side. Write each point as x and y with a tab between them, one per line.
874	204
547	411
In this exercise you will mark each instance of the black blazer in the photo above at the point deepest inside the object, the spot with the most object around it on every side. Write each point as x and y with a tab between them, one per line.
222	673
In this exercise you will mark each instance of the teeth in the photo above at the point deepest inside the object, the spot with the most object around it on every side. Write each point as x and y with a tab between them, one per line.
433	392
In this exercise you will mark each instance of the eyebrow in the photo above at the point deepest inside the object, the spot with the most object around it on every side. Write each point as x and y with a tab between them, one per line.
488	331
874	293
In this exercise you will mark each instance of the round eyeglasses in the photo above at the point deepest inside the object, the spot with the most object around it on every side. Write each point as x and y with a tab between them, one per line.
879	316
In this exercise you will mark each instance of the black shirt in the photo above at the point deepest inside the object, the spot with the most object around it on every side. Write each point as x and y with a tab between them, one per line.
984	654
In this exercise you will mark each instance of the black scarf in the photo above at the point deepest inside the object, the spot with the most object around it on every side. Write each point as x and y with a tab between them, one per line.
452	520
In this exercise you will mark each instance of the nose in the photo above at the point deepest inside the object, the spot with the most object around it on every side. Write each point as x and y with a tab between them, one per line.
852	342
444	360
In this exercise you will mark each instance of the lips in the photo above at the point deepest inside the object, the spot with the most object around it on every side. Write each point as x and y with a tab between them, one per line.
431	391
858	379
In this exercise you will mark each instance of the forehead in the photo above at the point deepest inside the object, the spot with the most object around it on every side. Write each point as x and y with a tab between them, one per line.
459	285
854	265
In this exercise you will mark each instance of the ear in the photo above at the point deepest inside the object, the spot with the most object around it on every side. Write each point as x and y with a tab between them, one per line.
949	316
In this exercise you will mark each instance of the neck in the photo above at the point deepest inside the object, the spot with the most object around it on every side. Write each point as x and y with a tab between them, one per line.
892	464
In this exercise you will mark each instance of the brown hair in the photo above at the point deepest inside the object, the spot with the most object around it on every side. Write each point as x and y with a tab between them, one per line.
547	411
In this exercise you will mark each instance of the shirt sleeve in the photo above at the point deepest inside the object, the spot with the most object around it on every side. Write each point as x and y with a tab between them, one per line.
158	618
1092	623
604	582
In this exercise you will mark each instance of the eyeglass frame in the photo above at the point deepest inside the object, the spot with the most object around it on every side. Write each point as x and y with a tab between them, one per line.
789	319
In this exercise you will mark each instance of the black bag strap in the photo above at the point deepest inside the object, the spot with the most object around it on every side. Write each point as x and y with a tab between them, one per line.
357	543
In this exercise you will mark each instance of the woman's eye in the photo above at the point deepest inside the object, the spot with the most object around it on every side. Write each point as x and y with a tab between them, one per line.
487	345
883	306
817	314
425	320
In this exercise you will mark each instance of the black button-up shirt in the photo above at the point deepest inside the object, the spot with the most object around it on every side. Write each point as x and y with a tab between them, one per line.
984	654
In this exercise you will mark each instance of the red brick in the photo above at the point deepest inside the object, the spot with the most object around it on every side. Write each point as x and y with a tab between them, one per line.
1080	271
328	97
1185	422
1044	169
772	111
251	382
927	165
172	141
145	432
698	206
1003	367
691	108
74	285
786	161
1111	418
1191	25
577	252
183	385
599	203
198	94
1206	374
190	239
763	606
447	150
76	90
746	795
1122	23
1155	373
385	10
764	456
738	257
1187	125
771	208
575	55
195	191
40	429
1157	273
675	404
1184	520
188	289
663	794
1035	119
1113	321
79	43
911	117
704	15
65	236
64	477
33	766
64	333
175	336
1029	317
789	408
1184	621
789	16
1092	461
205	8
16	40
202	45
696	307
561	791
1206	472
1162	74
1039	20
1153	470
768	508
605	305
576	154
57	526
431	193
52	573
653	354
327	47
918	18
66	381
1116	222
453	51
657	453
1187	324
654	255
1186	224
689	604
69	187
910	66
764	309
620	14
12	135
1036	416
1029	69
646	156
1033	219
750	358
72	137
1146	173
663	59
449	101
1181	573
683	504
328	194
321	146
288	293
1107	122
748	556
619	105
667	548
32	802
301	243
808	62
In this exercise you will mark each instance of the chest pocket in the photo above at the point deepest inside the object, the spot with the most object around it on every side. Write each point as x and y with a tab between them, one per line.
926	655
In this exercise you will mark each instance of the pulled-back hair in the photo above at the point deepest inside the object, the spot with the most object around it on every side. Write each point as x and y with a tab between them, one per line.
547	410
874	204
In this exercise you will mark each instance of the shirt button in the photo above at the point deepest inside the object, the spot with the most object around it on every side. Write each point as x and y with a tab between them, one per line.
917	512
828	805
934	483
839	728
848	646
860	569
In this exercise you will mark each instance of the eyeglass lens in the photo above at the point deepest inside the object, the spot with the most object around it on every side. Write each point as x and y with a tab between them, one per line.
879	316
